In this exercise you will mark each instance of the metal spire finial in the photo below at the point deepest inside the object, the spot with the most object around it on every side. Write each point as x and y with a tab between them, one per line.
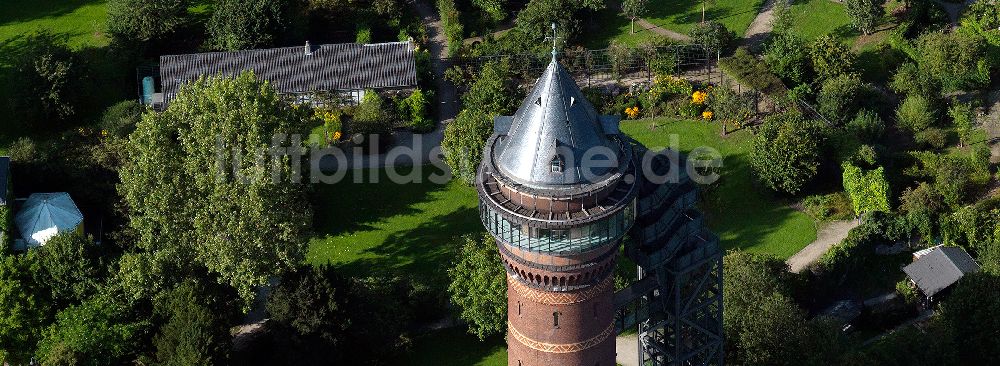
554	38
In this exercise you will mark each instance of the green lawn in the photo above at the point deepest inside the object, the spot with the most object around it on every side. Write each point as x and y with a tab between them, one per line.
455	347
609	24
814	18
81	22
376	227
743	215
682	15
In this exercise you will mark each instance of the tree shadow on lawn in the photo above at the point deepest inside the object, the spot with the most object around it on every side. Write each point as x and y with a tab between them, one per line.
424	253
15	11
455	347
348	206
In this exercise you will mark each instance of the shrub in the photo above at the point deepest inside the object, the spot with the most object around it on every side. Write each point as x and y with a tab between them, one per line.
959	61
416	111
364	34
478	287
787	56
371	117
865	14
751	72
869	191
953	180
730	106
450	21
909	79
246	24
934	137
842	96
833	206
867	126
145	20
713	35
830	58
463	143
69	265
46	82
786	152
922	205
119	120
915	114
963	117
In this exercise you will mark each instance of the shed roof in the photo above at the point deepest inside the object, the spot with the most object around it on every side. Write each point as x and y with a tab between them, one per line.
300	69
940	269
45	215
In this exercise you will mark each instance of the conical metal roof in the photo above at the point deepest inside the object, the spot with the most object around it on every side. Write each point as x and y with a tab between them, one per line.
551	133
45	215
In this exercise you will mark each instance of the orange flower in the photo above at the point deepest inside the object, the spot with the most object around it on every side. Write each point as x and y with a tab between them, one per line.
699	97
707	115
336	136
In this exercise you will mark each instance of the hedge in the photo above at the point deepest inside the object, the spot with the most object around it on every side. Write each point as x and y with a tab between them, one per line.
452	25
753	73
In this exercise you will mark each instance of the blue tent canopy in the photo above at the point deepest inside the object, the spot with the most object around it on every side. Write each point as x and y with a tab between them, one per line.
45	215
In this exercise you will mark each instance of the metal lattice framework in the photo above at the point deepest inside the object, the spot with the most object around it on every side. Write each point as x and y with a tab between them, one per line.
676	302
595	67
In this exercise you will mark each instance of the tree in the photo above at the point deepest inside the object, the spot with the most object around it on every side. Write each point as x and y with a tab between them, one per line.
198	186
963	117
95	332
787	56
956	59
534	22
195	332
842	96
70	267
309	312
131	21
479	287
496	9
714	36
830	58
372	117
25	308
786	152
634	9
969	313
865	14
922	206
869	191
867	126
916	114
246	24
910	79
415	110
47	80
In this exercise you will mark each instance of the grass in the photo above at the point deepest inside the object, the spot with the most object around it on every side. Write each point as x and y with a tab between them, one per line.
744	215
610	25
81	22
682	15
410	228
814	18
455	347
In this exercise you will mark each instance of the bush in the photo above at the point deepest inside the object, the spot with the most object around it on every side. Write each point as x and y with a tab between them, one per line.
842	96
478	287
869	191
130	21
450	21
911	80
119	120
371	117
787	56
921	205
786	152
751	72
963	117
713	35
867	126
196	330
416	111
934	137
364	34
246	24
833	206
830	58
959	61
47	82
865	14
915	114
463	143
70	267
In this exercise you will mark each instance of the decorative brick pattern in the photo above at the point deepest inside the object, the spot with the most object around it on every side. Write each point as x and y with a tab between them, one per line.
560	348
559	298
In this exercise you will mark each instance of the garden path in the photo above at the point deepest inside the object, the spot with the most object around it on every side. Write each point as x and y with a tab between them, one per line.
645	24
627	347
831	234
761	26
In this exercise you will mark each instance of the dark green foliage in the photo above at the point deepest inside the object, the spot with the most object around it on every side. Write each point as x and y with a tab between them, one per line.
70	267
478	287
246	24
450	21
713	35
751	72
119	120
372	117
495	9
963	117
131	21
912	80
867	126
309	311
787	56
46	80
916	114
534	22
958	60
786	152
196	331
834	206
969	313
492	92
922	205
865	14
842	97
983	18
415	109
25	308
96	332
729	105
868	190
934	137
830	58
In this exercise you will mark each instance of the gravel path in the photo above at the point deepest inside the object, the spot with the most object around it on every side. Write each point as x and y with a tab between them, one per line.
627	347
645	24
761	26
831	234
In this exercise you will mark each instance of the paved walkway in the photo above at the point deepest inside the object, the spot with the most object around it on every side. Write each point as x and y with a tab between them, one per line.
646	25
831	234
627	347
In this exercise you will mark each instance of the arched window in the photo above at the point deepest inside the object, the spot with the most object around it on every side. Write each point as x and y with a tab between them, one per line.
555	319
518	308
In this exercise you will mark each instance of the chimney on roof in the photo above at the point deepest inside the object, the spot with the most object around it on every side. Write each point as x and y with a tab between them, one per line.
309	50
